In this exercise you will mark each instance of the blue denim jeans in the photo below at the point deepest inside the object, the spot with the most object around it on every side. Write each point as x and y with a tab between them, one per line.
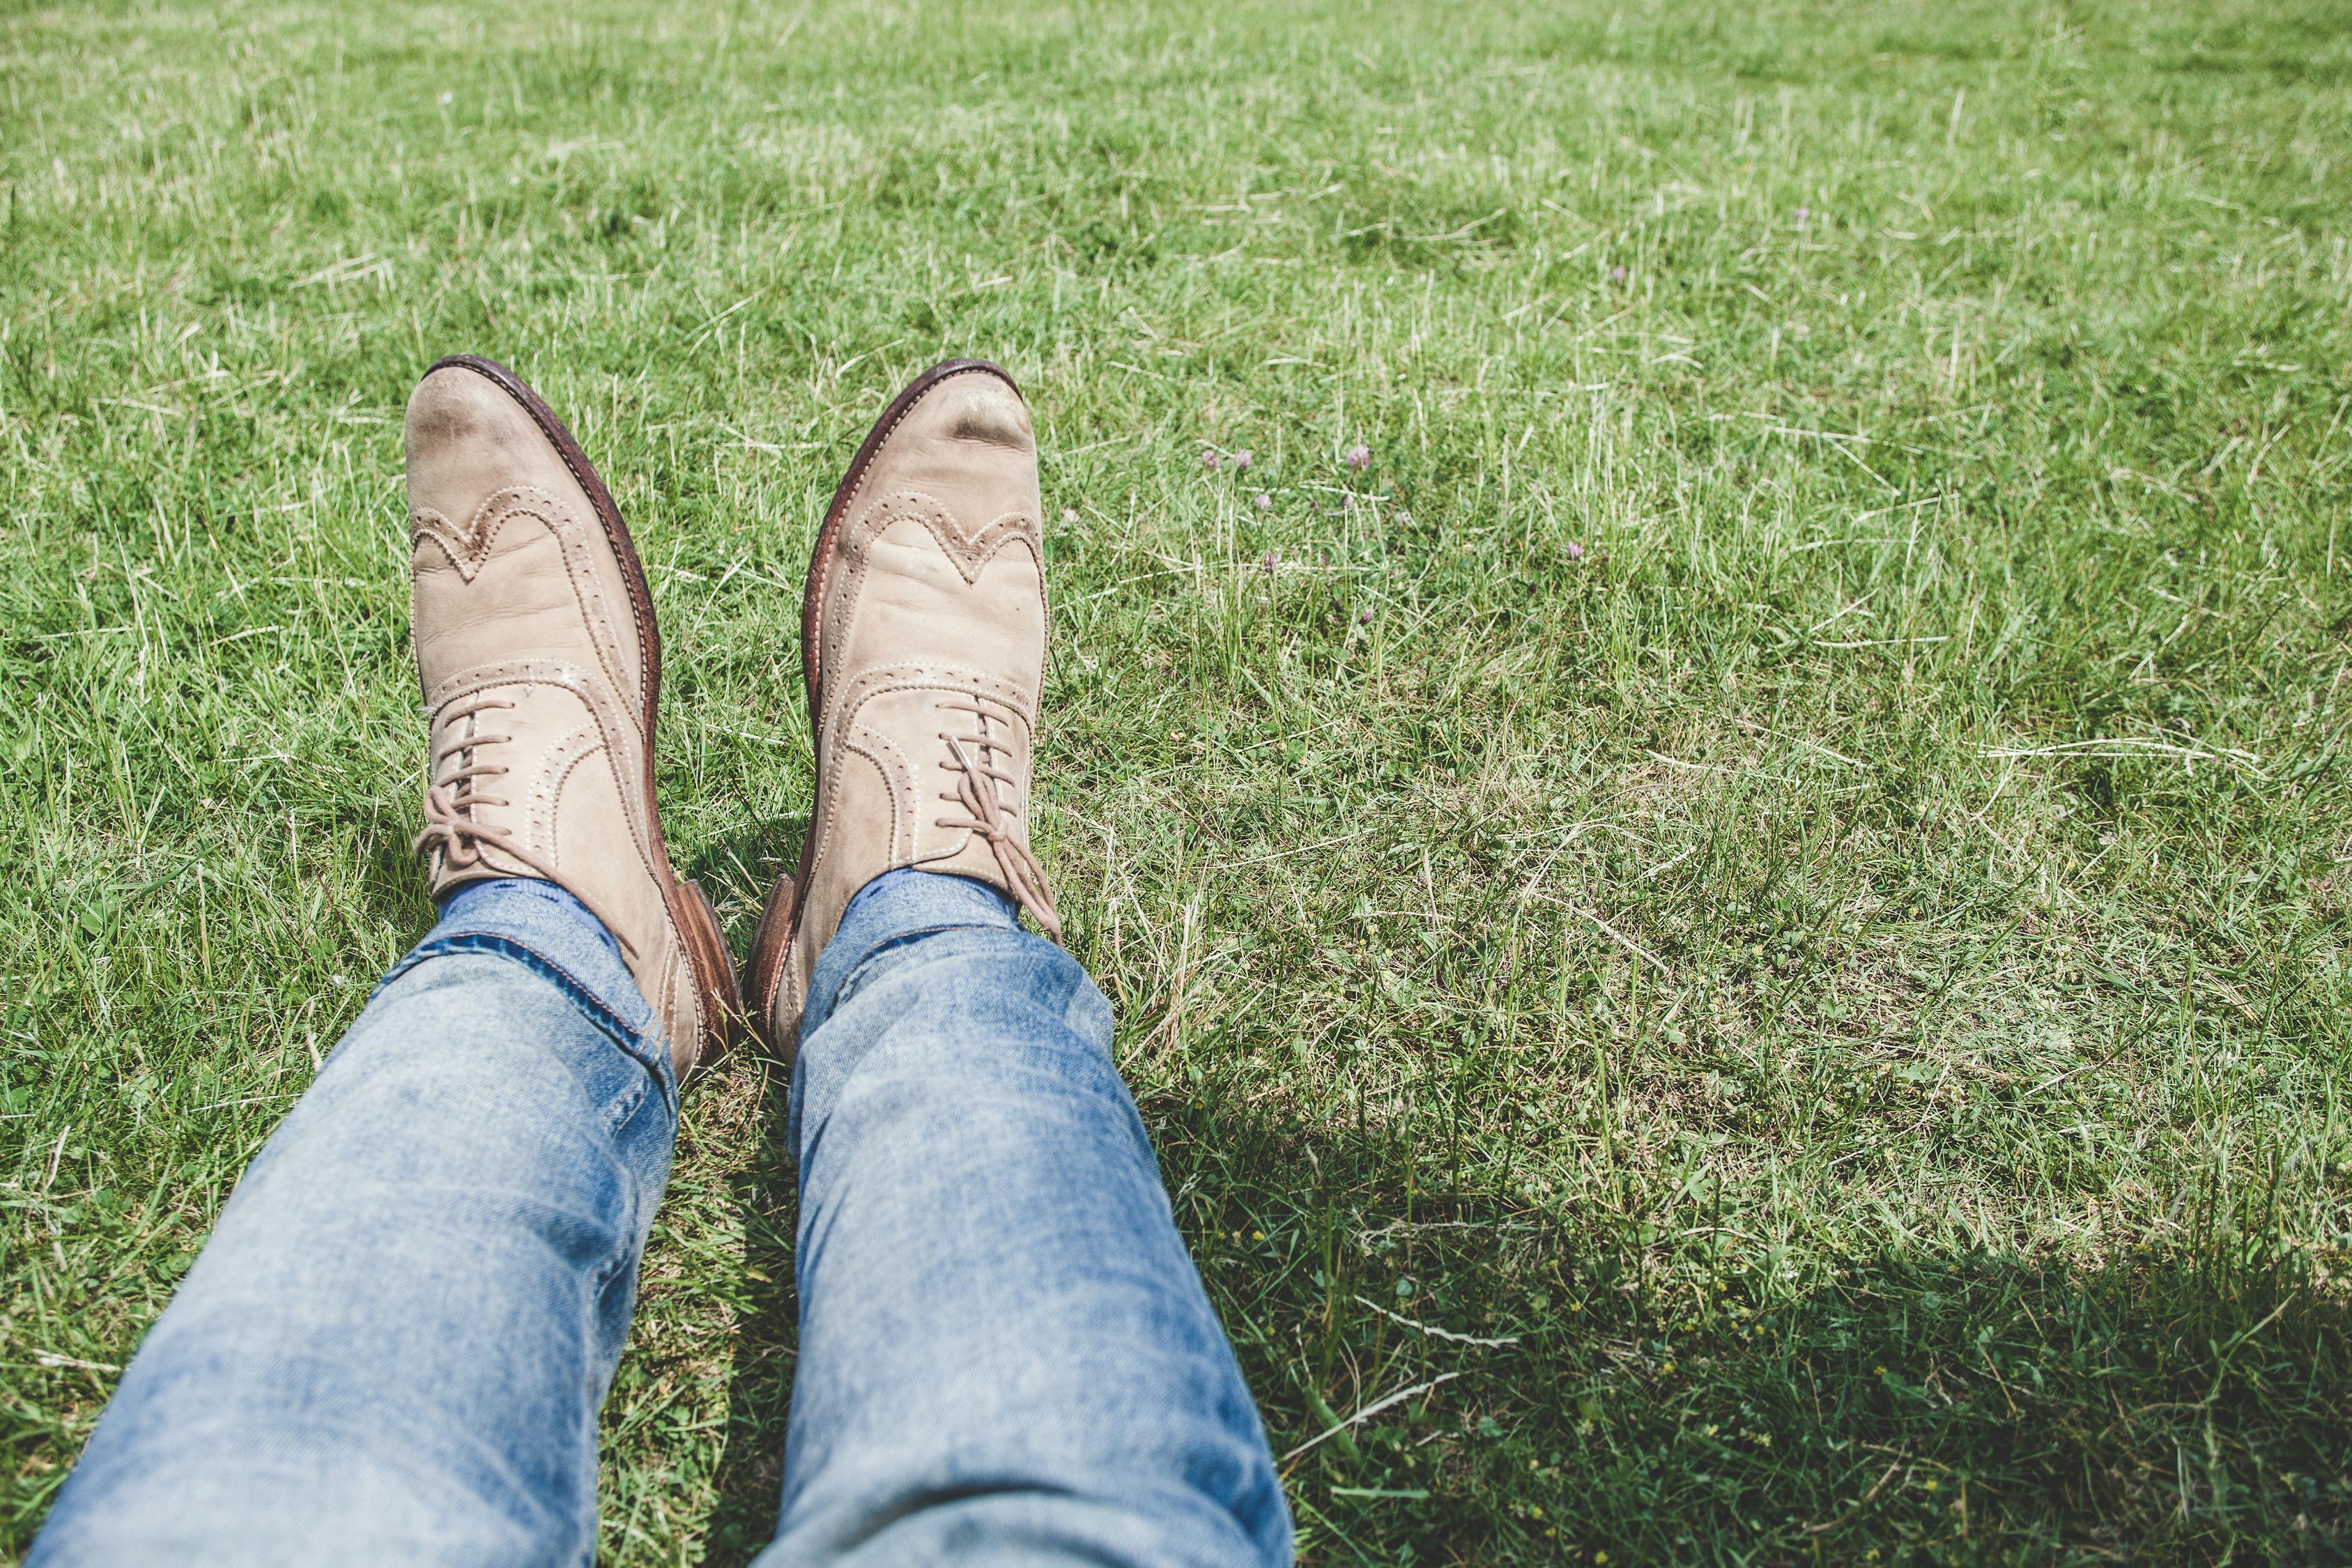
394	1348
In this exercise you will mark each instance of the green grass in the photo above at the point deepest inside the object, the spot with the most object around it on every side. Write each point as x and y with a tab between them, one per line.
1844	980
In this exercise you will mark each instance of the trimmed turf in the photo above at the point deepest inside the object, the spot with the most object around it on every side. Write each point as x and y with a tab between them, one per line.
1753	915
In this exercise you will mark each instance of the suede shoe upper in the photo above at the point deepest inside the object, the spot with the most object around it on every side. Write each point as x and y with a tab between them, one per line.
924	648
541	666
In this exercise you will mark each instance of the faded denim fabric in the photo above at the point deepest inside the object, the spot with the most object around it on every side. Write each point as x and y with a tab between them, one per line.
394	1347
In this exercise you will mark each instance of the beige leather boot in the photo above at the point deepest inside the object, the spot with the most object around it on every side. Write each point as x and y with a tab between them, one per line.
536	647
923	644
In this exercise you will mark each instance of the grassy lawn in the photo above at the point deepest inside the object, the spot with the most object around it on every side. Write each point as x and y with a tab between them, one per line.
1741	936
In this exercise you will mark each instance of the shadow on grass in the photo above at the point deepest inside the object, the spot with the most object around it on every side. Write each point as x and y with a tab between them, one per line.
392	883
760	1380
2167	1406
737	872
737	869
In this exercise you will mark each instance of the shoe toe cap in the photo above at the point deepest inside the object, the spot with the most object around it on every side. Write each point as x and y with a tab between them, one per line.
980	409
468	438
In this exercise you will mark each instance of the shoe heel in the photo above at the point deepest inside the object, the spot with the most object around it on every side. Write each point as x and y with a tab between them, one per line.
771	948
714	969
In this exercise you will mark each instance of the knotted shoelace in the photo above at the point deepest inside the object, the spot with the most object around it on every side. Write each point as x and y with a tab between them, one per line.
453	830
979	790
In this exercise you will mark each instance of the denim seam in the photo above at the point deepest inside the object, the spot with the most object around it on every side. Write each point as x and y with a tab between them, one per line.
617	1114
610	1269
498	945
624	1254
606	1272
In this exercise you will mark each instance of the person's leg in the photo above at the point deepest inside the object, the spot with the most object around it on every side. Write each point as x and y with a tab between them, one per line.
394	1347
1005	1354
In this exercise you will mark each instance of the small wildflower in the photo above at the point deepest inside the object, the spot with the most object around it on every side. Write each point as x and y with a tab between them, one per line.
447	98
1273	560
1617	274
1069	514
1209	459
1360	456
1574	550
1364	615
1264	502
1803	213
1348	502
1241	460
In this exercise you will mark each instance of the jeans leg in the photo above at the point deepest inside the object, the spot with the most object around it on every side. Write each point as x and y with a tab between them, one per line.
1005	1354
394	1347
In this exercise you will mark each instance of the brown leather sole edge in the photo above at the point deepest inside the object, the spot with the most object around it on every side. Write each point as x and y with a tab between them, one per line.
697	923
771	945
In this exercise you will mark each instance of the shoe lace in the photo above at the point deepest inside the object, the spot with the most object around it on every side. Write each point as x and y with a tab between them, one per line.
980	790
453	794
